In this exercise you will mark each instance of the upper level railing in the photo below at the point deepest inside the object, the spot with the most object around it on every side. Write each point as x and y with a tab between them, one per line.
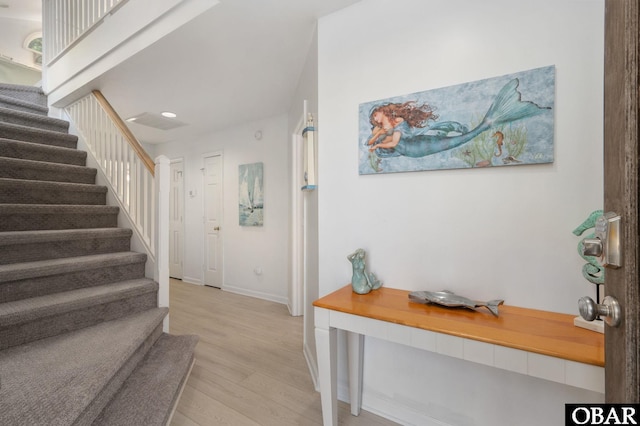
124	162
67	21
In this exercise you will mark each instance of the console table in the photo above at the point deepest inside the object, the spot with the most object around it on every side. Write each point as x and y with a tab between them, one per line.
536	343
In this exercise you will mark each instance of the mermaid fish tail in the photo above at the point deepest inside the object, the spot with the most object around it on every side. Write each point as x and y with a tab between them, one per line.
508	106
492	305
445	128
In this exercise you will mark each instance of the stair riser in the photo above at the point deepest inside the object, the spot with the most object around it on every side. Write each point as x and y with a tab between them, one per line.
37	152
35	136
15	253
36	172
30	222
152	377
6	103
42	286
27	94
100	401
44	124
21	195
74	320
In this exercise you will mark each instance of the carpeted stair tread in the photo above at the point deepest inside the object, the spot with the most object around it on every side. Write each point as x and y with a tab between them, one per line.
23	118
22	105
37	152
40	317
70	378
30	134
25	217
43	268
98	271
29	246
16	168
46	192
25	93
148	395
31	309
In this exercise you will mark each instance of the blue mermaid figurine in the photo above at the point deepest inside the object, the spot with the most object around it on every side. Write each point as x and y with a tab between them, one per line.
361	281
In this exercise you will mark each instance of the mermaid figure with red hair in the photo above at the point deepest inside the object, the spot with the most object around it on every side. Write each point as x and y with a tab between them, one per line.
404	130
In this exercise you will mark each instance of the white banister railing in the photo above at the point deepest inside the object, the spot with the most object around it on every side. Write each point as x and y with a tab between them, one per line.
127	167
140	185
67	21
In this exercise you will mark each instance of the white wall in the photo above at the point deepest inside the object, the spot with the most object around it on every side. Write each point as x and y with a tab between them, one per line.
13	32
17	64
491	233
245	248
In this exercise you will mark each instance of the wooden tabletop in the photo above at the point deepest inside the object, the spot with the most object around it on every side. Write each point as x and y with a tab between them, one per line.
542	332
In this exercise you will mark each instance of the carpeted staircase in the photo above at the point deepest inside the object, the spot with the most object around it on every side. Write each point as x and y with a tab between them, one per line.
81	338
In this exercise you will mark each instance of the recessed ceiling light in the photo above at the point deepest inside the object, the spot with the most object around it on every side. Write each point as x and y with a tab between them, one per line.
169	114
132	119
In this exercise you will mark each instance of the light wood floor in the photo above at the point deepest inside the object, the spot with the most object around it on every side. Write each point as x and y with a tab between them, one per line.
249	367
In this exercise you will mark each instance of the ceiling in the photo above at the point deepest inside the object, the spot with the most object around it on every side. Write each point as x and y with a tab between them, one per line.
30	10
238	62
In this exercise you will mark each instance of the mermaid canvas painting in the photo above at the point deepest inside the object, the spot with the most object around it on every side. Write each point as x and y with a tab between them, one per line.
500	121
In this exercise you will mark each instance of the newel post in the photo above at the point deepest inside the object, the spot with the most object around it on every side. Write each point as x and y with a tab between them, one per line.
161	273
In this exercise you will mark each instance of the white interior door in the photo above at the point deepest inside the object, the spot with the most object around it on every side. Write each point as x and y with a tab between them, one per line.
176	219
213	220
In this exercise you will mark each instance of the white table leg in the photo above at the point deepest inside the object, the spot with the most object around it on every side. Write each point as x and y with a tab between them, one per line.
327	350
355	350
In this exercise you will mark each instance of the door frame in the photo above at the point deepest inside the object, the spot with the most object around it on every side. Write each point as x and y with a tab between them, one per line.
172	161
204	156
297	263
621	177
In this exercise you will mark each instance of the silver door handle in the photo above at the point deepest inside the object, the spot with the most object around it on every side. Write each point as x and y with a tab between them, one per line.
609	309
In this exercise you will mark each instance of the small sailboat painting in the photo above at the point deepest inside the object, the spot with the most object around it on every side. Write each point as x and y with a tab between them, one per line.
500	121
250	195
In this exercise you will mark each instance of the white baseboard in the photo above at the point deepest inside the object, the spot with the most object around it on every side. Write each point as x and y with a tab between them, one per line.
191	280
256	294
382	406
313	367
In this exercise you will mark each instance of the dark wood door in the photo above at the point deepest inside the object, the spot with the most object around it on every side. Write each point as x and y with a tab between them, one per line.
621	178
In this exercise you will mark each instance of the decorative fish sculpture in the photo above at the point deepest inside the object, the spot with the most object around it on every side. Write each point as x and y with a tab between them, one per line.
449	299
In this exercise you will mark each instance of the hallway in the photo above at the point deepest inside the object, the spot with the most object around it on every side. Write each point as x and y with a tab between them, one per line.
250	369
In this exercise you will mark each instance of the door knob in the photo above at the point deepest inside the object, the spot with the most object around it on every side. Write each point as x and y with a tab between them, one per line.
609	309
216	228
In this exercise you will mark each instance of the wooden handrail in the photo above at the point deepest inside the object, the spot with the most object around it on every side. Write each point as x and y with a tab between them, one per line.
131	139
